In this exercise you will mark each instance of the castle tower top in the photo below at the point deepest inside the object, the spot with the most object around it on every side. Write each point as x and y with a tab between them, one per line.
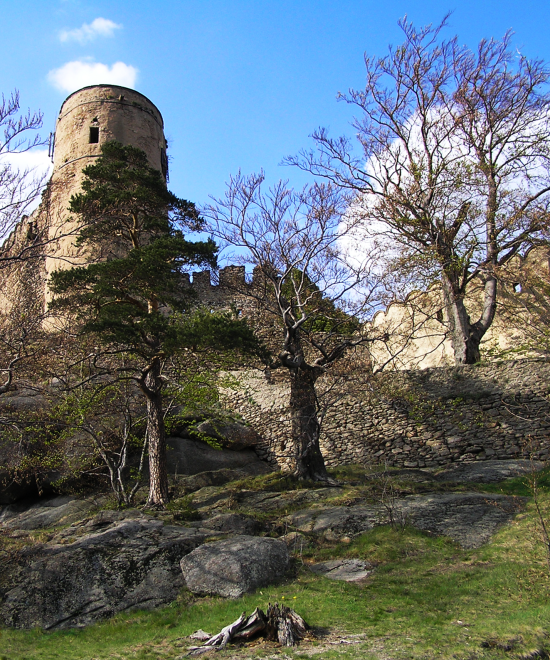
87	119
94	115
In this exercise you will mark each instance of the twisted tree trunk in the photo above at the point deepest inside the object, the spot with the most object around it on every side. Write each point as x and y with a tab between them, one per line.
466	336
156	437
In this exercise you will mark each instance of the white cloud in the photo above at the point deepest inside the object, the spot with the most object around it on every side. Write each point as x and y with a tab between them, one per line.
99	27
35	167
81	73
36	160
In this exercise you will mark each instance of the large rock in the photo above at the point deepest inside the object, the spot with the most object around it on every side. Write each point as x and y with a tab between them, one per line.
24	400
193	456
337	522
230	434
194	482
488	472
231	523
347	570
94	570
236	566
211	501
468	518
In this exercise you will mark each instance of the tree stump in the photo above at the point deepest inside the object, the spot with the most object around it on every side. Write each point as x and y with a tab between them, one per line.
281	624
284	625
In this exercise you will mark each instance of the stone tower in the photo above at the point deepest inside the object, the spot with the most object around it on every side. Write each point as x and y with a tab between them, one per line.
87	119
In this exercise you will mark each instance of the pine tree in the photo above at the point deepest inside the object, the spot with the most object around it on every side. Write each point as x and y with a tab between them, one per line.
131	294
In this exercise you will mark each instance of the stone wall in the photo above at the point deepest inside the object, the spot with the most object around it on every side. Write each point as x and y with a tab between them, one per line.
423	418
418	327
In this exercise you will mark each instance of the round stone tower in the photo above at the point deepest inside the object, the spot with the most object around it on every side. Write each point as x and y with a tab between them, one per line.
88	118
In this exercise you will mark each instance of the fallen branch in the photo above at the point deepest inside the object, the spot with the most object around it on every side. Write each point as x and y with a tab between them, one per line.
281	624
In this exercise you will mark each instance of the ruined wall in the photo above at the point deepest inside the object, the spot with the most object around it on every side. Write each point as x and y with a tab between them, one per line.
418	326
416	418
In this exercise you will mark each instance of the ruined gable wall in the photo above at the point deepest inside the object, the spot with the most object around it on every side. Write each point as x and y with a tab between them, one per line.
417	326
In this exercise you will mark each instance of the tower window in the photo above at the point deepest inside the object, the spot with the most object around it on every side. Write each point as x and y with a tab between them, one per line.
94	134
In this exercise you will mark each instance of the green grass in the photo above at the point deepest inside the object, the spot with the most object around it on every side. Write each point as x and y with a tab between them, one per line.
428	598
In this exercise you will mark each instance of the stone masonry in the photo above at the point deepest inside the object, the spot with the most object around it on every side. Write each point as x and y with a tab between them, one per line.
421	418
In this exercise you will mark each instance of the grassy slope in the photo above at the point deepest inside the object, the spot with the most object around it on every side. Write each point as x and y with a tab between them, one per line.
427	599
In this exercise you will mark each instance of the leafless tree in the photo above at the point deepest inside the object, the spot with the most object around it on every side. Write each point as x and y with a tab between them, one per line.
453	169
304	287
19	188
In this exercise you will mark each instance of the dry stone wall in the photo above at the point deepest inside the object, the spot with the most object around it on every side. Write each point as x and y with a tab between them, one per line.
426	418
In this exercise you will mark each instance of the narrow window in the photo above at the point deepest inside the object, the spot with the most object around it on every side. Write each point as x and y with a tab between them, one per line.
94	134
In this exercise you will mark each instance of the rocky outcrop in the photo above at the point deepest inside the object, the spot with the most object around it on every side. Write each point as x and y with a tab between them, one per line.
192	483
231	523
488	472
47	512
468	518
79	567
189	457
230	434
236	566
93	570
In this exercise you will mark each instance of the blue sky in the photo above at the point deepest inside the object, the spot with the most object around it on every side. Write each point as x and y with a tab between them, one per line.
240	83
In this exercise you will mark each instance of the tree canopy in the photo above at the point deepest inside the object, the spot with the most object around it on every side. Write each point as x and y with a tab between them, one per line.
453	169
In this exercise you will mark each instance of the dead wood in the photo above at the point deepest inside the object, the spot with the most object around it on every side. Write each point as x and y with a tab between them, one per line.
281	624
284	625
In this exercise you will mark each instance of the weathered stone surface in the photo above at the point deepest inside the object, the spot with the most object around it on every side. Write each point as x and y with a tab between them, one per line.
236	566
110	567
296	542
347	570
230	434
193	456
192	483
25	400
468	518
471	414
336	522
47	512
208	501
488	472
230	523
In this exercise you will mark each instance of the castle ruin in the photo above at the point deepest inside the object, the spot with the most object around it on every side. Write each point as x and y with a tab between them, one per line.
358	429
94	115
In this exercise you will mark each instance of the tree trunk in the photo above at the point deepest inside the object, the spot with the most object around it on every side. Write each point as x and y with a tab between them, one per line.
466	336
156	438
305	426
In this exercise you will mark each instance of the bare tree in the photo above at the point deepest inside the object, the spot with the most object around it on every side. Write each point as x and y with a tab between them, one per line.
454	166
303	287
19	188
